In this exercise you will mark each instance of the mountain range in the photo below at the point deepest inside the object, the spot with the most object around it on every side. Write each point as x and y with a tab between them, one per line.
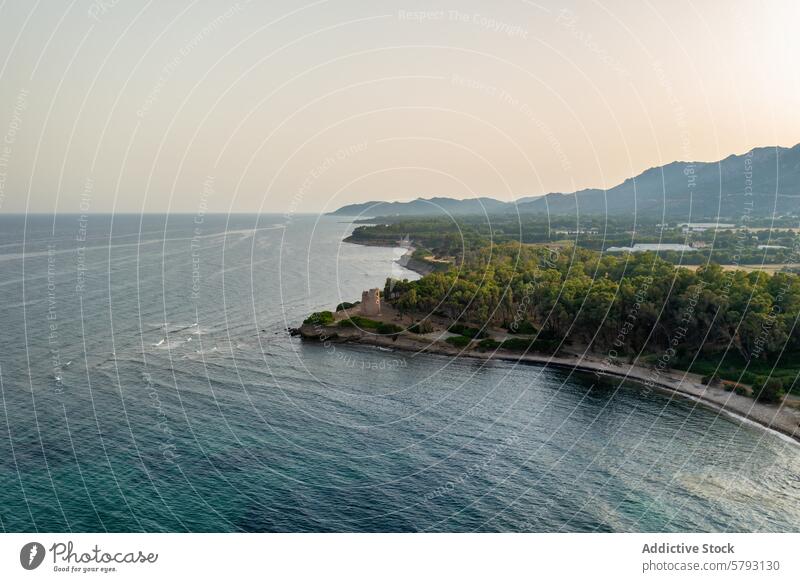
762	182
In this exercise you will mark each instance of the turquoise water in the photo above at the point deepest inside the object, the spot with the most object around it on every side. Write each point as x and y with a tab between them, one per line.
148	384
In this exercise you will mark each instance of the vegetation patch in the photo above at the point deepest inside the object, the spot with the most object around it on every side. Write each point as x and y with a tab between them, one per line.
356	321
734	368
523	327
421	327
769	390
488	344
459	341
388	329
518	344
360	322
470	332
320	318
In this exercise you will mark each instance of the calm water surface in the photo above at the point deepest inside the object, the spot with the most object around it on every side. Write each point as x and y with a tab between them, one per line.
148	384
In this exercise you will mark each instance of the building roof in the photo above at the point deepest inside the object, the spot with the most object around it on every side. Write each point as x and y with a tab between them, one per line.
656	247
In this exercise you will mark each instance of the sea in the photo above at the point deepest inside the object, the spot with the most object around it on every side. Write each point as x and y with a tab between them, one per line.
149	384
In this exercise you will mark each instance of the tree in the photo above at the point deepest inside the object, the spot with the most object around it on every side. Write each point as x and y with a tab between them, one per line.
769	390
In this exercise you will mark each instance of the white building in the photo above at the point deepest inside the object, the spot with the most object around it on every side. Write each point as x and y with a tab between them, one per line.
654	247
704	226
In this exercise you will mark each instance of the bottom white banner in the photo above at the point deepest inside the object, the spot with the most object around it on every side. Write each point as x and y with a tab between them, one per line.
404	557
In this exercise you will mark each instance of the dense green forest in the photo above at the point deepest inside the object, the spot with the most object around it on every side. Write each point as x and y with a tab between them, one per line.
733	324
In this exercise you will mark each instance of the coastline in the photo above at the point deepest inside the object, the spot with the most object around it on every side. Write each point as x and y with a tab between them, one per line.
407	260
781	419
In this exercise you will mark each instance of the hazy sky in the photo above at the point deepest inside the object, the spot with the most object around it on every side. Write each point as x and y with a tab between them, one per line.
131	106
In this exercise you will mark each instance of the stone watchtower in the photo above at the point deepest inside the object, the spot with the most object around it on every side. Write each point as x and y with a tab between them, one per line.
370	302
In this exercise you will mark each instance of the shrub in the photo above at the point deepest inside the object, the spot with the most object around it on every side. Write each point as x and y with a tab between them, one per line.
424	326
364	323
320	318
524	327
741	390
360	322
518	344
488	344
751	379
769	390
346	305
459	341
388	328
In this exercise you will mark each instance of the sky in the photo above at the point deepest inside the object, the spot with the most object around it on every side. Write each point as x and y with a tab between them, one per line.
293	107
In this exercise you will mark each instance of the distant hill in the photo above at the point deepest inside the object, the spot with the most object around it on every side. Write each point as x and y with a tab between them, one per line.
425	207
760	182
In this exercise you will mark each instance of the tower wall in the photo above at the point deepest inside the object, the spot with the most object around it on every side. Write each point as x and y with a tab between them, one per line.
370	302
